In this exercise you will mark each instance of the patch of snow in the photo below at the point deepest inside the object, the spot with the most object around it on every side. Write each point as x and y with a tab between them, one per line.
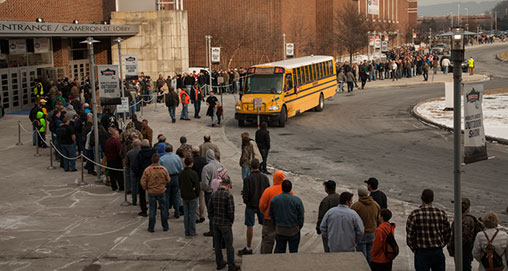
495	114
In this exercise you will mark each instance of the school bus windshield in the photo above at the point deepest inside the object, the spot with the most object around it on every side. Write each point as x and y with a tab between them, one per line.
264	83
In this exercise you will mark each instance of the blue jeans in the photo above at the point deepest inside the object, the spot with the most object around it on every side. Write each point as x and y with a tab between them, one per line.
365	245
188	89
138	104
245	172
134	187
283	241
264	155
224	235
189	216
214	115
69	151
172	110
153	199
197	108
341	86
429	258
172	198
185	111
208	196
445	69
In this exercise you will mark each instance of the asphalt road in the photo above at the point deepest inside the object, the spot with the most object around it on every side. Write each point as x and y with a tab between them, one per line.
373	134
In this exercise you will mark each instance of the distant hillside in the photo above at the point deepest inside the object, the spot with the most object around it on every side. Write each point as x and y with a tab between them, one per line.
443	9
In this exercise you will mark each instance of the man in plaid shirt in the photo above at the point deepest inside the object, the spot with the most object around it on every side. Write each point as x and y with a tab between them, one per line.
427	232
222	208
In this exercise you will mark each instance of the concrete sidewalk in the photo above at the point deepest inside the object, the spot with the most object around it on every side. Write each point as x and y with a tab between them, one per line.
438	78
48	222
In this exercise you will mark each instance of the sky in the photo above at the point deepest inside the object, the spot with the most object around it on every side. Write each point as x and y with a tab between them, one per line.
434	2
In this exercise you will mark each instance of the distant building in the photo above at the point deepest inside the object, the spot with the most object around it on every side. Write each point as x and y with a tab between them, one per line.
253	33
474	23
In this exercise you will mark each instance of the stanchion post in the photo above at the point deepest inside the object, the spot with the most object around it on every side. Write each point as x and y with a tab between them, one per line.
125	202
82	171
51	155
142	105
36	144
19	134
156	99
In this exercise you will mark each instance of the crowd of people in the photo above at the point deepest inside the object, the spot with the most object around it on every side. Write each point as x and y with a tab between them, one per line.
401	62
191	181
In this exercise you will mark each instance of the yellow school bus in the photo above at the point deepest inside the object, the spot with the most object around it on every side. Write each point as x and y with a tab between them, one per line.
286	88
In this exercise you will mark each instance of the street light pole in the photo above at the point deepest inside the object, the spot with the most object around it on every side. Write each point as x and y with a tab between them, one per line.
458	58
209	60
90	41
118	41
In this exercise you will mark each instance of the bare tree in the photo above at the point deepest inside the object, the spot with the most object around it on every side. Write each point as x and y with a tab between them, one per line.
352	28
299	34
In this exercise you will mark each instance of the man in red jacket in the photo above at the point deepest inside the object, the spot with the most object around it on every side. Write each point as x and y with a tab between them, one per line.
379	261
112	150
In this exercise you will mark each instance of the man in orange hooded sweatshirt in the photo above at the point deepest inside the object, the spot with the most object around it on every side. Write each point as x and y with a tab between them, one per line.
379	261
268	233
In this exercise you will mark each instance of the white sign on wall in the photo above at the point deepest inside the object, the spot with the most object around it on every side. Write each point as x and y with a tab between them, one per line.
377	44
41	45
17	47
290	49
109	86
215	55
373	7
131	67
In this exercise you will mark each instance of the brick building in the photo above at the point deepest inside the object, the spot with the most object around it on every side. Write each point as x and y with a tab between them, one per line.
253	33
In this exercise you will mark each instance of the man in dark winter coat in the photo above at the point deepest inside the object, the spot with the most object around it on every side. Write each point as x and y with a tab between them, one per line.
142	161
263	142
330	201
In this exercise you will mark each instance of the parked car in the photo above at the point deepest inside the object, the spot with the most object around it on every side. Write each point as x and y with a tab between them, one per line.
440	49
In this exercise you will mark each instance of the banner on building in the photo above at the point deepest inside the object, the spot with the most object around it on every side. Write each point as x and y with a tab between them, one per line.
373	7
109	86
371	40
290	49
377	44
41	45
17	47
131	67
215	55
386	38
384	46
475	147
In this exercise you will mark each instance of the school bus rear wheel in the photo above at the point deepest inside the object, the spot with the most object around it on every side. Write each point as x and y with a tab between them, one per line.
321	103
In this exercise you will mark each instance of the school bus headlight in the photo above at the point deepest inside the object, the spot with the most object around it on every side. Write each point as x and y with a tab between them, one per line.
238	107
274	107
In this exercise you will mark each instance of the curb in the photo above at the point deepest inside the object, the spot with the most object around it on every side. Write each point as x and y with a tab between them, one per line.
500	58
429	122
485	78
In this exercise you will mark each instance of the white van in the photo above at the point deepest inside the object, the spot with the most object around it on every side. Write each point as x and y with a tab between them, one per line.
198	69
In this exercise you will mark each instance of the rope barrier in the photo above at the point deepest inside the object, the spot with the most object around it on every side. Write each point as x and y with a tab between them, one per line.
23	128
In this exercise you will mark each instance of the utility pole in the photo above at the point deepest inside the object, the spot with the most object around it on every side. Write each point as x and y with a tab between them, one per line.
209	60
89	42
284	45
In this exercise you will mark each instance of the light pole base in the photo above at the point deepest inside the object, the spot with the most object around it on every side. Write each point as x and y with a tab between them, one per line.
82	183
98	181
37	155
125	203
51	167
19	143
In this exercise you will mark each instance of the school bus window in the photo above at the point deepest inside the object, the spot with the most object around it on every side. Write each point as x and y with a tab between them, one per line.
320	68
310	72
289	82
330	66
324	69
306	74
314	72
327	68
295	80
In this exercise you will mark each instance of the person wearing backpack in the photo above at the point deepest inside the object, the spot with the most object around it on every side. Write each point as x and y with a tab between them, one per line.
491	245
384	247
470	228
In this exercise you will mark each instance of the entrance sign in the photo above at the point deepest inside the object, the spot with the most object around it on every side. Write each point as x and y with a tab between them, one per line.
215	55
108	81
41	45
290	49
17	47
475	147
24	29
131	67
